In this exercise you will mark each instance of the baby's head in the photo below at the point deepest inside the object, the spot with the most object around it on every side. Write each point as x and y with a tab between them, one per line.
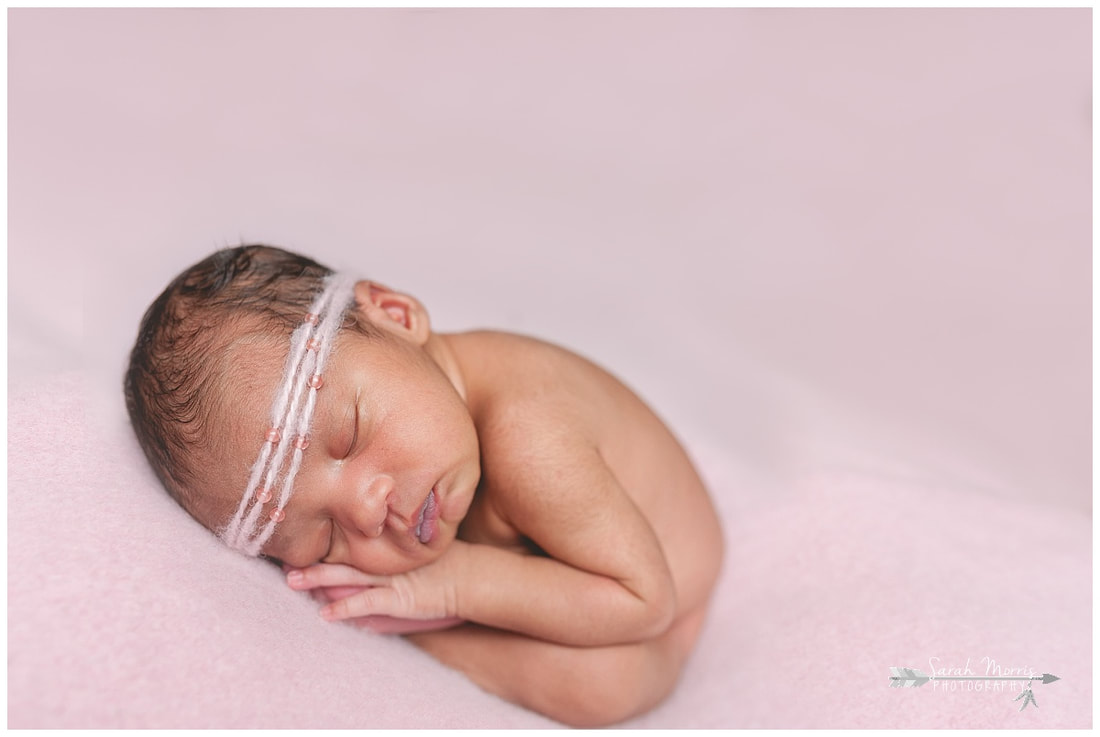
302	414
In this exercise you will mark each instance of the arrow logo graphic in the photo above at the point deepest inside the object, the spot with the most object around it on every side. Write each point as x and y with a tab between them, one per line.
1028	697
913	678
907	678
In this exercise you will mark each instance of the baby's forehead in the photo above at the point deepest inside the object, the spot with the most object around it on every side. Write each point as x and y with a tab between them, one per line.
251	369
244	376
252	373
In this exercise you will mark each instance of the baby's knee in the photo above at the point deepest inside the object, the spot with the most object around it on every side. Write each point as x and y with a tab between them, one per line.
615	685
625	682
633	680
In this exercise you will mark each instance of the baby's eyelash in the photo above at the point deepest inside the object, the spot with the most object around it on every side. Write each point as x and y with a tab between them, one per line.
354	433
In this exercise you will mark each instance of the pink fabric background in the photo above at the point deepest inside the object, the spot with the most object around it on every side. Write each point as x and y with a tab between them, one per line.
846	254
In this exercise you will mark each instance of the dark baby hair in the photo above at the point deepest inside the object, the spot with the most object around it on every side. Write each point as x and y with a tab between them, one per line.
171	375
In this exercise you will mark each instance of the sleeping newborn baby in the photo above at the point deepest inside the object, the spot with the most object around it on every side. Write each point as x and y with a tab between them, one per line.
518	512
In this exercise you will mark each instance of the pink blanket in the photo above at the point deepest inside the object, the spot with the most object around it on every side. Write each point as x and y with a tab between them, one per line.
846	254
124	613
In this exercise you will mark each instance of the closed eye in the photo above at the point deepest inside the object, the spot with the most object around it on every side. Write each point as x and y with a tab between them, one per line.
354	432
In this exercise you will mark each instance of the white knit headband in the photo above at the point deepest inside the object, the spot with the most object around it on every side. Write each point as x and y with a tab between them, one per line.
310	345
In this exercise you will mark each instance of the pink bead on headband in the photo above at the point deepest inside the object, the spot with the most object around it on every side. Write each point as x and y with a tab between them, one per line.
291	412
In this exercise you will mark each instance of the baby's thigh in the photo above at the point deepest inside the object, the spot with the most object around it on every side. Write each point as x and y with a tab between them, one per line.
580	686
624	681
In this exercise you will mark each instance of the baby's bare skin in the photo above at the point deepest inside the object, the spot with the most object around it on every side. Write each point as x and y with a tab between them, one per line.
574	537
524	391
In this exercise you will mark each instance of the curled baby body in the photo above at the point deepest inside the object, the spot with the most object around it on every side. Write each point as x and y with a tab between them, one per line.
487	481
588	550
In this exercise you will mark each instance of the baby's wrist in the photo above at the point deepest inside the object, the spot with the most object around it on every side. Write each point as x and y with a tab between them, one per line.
460	560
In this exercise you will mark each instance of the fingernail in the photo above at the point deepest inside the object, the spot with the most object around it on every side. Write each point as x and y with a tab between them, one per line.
326	613
294	578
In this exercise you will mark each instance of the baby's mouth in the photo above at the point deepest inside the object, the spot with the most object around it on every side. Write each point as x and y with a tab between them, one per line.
426	523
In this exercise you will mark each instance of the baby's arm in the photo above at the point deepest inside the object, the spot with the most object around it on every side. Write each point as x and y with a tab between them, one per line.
605	581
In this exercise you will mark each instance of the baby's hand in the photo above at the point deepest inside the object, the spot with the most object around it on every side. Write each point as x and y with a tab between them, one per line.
425	595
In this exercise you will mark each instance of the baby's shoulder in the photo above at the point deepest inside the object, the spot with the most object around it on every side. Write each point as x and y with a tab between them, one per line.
495	347
520	382
513	364
534	404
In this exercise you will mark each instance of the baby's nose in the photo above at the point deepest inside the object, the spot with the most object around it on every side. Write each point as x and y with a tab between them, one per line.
373	505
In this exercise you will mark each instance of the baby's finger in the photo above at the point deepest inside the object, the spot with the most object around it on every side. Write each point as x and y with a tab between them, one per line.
329	574
372	601
325	594
331	593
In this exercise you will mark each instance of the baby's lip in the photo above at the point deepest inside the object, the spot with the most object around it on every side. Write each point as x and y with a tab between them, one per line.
427	516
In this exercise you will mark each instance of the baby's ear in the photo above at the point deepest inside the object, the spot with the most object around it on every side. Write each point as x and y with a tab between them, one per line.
395	311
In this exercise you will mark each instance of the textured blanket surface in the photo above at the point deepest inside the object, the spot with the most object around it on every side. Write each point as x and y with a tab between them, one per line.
124	612
845	254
